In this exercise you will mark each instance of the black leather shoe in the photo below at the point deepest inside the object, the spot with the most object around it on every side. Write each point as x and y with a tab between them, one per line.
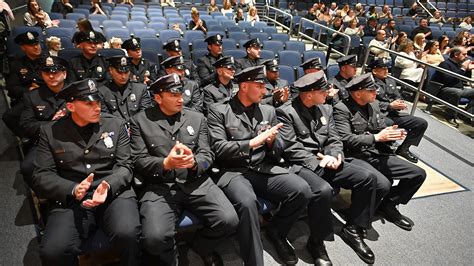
352	238
405	153
388	211
283	248
213	259
319	253
362	232
452	122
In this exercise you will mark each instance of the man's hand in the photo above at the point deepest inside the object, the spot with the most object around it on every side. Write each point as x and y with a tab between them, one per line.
390	134
328	161
81	189
179	157
60	113
33	86
398	105
267	136
99	196
332	91
281	94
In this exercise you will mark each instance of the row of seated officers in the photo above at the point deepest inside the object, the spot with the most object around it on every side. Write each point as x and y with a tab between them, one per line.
294	155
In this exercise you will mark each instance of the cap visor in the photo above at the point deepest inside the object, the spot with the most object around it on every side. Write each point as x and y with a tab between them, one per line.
52	69
90	98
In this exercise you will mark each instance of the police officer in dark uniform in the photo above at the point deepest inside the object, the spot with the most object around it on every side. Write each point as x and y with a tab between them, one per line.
89	64
84	168
120	96
391	105
192	95
141	70
173	48
24	76
366	136
309	66
171	152
206	70
277	88
253	47
314	147
223	88
347	71
41	106
244	137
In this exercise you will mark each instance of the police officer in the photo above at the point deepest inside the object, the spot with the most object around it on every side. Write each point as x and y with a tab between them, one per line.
253	47
84	168
41	106
173	48
223	88
120	96
347	71
391	105
366	136
24	76
309	66
244	137
192	96
314	147
141	70
171	151
89	64
277	88
206	70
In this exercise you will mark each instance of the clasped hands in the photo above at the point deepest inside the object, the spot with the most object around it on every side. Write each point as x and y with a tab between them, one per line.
267	136
99	196
179	157
391	133
328	161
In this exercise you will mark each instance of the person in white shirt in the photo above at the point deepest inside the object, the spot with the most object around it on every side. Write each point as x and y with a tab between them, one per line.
352	29
410	69
380	41
252	15
466	23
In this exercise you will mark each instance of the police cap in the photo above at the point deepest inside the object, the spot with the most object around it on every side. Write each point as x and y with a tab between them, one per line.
271	65
313	63
29	37
255	74
174	61
347	60
83	90
131	44
120	62
311	82
53	64
225	61
171	83
365	81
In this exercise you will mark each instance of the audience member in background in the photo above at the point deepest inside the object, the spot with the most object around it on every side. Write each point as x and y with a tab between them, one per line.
461	39
324	16
385	13
410	70
63	7
141	69
453	89
371	13
371	28
212	7
437	19
96	7
380	41
333	9
466	24
116	43
444	47
227	7
401	38
431	53
84	25
422	28
413	11
391	30
197	23
4	7
127	2
419	42
345	10
352	29
6	17
167	3
311	14
252	15
239	16
54	45
36	17
336	39
350	16
359	10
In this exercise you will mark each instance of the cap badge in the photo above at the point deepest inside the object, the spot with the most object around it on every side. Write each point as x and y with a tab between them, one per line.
92	87
176	78
232	59
91	35
134	41
218	37
181	60
49	61
30	36
123	61
186	72
176	42
190	130
275	62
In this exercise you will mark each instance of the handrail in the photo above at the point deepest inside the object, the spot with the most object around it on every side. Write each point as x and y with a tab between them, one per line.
433	6
426	9
274	20
18	8
300	33
420	86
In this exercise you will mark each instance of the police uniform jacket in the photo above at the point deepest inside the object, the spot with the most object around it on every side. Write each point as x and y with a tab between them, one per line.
218	93
340	83
40	106
137	72
23	72
357	128
270	86
206	70
64	159
387	92
307	132
230	131
192	96
243	63
97	68
450	81
134	98
153	137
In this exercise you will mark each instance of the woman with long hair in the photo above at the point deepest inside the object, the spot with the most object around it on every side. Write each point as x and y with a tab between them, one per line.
431	54
410	70
35	16
444	47
196	22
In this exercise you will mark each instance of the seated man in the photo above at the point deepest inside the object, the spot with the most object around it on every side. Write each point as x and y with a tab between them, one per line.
89	64
314	147
173	48
141	69
244	137
347	70
253	47
206	70
453	89
391	105
223	88
171	153
120	96
41	106
192	97
277	88
83	167
366	136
